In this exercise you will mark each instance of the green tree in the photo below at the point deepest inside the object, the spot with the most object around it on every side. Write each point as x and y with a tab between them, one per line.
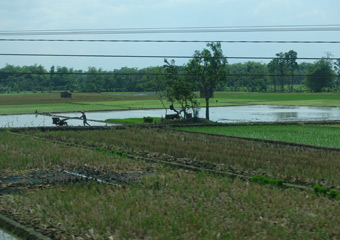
292	65
337	71
179	88
209	69
320	75
278	68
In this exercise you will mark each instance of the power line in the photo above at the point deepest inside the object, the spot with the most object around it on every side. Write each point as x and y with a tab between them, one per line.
230	29
147	56
164	41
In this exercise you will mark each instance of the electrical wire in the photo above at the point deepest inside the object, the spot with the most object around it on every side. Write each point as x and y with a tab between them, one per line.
149	56
164	41
238	29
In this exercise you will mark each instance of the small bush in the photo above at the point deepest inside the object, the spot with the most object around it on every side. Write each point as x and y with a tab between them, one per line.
333	194
119	153
270	181
148	119
320	190
101	149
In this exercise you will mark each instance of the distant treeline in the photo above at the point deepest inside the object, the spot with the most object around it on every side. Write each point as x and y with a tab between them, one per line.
250	76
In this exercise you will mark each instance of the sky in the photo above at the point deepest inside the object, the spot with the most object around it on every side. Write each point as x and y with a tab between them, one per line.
19	15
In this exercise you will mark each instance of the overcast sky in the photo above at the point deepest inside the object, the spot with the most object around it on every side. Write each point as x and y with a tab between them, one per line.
16	15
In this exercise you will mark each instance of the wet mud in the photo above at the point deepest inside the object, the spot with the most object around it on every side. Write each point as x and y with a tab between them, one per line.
44	179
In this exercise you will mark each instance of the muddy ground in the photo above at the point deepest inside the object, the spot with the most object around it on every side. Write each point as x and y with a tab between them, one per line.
41	179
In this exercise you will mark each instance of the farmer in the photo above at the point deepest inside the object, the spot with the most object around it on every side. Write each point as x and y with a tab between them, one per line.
83	116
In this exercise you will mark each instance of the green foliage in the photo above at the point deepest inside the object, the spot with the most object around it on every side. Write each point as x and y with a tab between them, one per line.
179	89
318	135
209	71
270	181
148	119
251	75
284	64
331	193
320	76
101	149
119	153
320	190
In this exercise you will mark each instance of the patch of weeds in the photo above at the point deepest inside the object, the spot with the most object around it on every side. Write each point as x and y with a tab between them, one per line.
148	119
105	150
270	181
119	153
331	193
101	149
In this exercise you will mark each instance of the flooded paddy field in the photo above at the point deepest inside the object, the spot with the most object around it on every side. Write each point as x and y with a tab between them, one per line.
233	114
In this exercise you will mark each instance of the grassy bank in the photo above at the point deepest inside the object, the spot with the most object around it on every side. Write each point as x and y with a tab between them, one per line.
135	120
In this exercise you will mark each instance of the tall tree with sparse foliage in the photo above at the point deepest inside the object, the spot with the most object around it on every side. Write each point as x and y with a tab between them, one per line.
292	65
179	88
209	69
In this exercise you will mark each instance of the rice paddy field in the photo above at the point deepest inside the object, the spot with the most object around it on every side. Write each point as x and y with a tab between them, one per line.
316	135
51	102
161	183
273	181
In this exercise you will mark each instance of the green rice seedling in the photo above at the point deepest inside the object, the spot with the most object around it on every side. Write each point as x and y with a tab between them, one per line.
101	149
270	181
318	135
333	194
320	190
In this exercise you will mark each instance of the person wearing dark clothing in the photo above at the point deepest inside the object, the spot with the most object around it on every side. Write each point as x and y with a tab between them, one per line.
83	116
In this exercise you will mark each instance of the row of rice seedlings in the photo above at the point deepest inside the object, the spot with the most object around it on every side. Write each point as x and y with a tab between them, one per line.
291	163
177	205
325	191
317	135
19	152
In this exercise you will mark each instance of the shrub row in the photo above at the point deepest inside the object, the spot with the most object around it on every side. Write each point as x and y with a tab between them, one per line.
270	181
331	193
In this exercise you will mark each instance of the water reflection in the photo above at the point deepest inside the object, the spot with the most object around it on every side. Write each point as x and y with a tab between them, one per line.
258	113
5	236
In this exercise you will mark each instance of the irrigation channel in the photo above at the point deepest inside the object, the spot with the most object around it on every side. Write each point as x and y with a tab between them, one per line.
232	114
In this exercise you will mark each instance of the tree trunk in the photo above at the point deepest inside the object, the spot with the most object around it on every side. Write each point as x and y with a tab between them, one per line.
207	108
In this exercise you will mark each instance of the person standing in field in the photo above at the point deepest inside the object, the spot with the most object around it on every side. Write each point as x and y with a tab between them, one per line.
83	116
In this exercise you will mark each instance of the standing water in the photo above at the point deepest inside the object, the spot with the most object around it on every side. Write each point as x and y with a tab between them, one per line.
233	114
5	236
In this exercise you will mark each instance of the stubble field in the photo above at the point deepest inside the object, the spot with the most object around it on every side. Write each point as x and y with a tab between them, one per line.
166	198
